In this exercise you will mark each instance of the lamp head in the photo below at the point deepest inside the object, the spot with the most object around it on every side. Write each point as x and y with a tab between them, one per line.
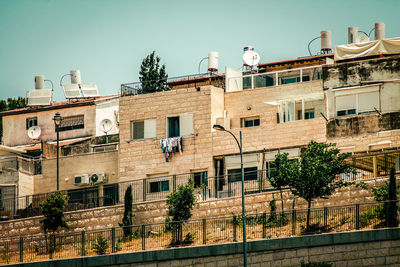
57	119
218	127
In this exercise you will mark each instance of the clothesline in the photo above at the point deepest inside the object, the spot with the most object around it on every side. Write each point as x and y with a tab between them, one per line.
171	145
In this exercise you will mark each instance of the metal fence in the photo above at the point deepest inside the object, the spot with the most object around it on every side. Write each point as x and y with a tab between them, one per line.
157	188
275	78
193	80
193	232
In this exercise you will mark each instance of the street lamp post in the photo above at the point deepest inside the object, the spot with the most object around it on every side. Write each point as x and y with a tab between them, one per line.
57	121
221	128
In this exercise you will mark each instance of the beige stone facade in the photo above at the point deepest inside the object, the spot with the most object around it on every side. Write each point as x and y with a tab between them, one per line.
289	116
70	166
144	158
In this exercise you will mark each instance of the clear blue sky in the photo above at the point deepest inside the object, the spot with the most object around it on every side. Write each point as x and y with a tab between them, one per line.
107	39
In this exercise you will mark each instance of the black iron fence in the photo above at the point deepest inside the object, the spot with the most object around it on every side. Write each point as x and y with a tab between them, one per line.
157	188
186	81
217	230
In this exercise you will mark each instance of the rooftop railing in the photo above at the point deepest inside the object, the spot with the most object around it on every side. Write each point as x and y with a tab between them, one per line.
193	80
274	78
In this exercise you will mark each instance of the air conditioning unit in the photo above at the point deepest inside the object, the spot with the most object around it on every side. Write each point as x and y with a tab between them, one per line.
97	178
81	179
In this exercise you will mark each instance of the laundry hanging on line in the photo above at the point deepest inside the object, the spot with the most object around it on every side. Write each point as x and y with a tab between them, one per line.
171	145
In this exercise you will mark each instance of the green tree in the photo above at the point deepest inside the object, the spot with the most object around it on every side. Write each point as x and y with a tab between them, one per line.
152	76
127	220
387	194
180	204
281	172
53	214
315	176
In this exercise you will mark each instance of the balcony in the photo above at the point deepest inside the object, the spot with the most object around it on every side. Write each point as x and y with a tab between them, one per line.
237	81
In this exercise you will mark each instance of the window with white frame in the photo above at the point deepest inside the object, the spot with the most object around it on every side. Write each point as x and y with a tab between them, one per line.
143	129
301	109
356	102
181	125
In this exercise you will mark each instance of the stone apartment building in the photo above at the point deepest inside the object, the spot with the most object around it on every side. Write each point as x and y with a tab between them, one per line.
84	150
282	106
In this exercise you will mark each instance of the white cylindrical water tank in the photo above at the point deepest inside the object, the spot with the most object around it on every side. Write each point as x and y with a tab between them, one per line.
326	40
213	58
75	76
39	82
352	36
379	31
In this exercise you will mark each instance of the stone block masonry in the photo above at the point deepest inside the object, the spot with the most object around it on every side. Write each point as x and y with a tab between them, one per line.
155	211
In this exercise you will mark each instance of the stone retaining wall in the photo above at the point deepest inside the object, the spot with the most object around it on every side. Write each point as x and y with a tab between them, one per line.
154	211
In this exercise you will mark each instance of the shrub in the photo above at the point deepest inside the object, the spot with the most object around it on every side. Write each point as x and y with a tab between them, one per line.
101	245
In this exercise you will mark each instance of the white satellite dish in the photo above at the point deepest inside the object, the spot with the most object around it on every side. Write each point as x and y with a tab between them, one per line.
34	132
251	58
362	38
106	125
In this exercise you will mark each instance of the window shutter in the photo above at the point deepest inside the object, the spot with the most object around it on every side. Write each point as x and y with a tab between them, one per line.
367	101
186	124
150	129
345	102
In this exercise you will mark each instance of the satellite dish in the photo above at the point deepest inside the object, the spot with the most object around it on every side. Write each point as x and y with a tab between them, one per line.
34	132
363	38
251	58
106	125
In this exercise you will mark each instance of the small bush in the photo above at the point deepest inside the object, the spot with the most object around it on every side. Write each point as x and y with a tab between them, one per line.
315	228
101	245
118	245
189	239
366	218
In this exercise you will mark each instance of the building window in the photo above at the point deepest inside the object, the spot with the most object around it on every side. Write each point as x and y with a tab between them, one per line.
173	126
199	178
72	123
309	114
294	79
250	174
31	122
159	186
250	122
181	125
143	129
302	109
356	103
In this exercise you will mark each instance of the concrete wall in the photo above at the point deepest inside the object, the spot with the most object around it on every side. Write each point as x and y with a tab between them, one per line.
356	72
141	158
70	166
15	132
361	248
107	109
